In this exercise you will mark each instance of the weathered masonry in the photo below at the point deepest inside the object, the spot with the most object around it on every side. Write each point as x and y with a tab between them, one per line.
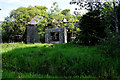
32	34
56	35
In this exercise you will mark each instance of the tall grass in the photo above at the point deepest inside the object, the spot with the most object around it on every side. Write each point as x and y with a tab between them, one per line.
61	60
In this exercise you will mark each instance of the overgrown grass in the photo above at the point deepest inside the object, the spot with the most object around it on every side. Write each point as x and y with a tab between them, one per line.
57	60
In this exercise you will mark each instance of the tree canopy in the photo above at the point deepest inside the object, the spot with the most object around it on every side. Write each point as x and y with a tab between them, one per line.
58	19
14	26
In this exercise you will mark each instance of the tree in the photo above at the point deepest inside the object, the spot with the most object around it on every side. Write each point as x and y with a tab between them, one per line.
92	28
14	26
54	9
65	12
116	22
99	6
58	19
7	31
88	5
110	12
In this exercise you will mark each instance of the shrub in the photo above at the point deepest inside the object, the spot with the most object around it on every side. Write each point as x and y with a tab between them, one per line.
110	45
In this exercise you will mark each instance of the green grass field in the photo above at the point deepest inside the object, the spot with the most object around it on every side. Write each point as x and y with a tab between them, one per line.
56	61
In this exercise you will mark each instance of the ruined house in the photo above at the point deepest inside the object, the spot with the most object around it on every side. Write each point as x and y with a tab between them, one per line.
52	35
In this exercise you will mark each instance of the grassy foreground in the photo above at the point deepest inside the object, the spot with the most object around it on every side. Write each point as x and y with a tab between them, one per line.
56	61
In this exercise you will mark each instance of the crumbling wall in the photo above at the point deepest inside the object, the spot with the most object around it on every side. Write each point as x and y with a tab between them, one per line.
32	34
62	35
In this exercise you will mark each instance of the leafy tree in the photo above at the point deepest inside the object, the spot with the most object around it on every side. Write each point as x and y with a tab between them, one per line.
7	31
77	15
54	9
56	19
106	8
14	26
86	4
110	12
92	28
65	12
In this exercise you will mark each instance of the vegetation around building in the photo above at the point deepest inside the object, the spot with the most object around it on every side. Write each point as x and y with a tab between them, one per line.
93	50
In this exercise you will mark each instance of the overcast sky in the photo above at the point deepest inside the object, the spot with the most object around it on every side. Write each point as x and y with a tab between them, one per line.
8	5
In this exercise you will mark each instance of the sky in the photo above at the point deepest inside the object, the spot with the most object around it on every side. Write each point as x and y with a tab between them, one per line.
8	5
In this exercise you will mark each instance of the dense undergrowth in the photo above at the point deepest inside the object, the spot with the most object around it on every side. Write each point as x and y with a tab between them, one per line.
57	60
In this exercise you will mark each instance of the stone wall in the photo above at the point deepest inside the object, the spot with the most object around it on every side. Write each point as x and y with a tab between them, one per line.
62	35
32	34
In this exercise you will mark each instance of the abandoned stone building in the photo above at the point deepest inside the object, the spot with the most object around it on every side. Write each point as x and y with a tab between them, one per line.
52	35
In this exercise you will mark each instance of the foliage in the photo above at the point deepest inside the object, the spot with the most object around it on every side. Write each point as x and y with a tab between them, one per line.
88	5
105	12
54	9
91	24
108	13
92	27
59	60
110	42
14	26
65	12
110	45
77	15
55	19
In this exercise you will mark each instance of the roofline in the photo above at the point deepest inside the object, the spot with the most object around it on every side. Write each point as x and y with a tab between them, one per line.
53	18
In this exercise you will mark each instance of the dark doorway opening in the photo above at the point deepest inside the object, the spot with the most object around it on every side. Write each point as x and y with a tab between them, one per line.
54	36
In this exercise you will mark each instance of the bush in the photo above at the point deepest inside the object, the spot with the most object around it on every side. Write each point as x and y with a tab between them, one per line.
110	45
